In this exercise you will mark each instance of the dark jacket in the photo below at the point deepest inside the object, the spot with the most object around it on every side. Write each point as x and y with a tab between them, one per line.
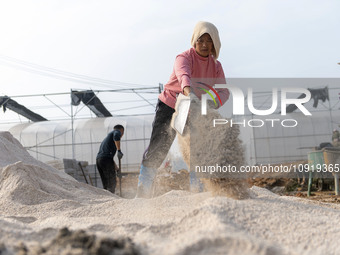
108	147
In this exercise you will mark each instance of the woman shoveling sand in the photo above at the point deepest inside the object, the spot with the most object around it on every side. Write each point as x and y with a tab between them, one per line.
196	66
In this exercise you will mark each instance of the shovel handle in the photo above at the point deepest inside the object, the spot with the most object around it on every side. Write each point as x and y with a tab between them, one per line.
120	177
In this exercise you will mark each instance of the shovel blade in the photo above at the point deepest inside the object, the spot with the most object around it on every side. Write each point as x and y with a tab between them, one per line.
179	118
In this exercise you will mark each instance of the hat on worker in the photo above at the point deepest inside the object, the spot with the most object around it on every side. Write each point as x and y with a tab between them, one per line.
203	27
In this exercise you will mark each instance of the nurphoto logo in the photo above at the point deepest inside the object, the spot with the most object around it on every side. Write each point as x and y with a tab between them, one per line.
239	104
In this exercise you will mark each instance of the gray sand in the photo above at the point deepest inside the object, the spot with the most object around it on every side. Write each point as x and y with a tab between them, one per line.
37	201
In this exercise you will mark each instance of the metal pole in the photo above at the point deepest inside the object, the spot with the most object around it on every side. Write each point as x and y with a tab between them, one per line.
310	182
254	136
336	183
330	112
72	130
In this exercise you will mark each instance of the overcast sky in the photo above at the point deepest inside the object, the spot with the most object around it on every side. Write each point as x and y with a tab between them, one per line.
137	41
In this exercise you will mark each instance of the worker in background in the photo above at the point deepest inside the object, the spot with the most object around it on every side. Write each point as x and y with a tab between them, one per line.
335	138
105	164
197	63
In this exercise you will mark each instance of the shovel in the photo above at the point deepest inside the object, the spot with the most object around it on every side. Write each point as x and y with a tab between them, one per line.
180	116
120	177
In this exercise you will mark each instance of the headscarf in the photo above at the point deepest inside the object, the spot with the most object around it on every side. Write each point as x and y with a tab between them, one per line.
203	27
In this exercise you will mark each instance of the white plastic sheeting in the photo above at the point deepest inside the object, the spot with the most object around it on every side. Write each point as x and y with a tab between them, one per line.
280	144
51	140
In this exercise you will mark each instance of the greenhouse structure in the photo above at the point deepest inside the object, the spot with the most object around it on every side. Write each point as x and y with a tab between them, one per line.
271	143
52	140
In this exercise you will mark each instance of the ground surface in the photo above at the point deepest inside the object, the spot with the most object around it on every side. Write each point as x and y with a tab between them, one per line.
45	211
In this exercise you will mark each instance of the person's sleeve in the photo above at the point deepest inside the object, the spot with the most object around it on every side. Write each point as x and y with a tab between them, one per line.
223	93
116	135
182	70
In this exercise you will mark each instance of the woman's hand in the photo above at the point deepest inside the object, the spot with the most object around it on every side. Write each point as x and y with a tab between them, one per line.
186	91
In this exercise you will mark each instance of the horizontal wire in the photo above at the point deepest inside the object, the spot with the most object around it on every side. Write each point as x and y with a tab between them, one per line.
28	66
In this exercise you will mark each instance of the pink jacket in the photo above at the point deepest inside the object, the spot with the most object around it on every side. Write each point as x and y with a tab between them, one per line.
198	72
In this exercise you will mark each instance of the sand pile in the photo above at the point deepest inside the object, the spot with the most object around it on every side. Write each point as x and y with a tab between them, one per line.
37	202
26	180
